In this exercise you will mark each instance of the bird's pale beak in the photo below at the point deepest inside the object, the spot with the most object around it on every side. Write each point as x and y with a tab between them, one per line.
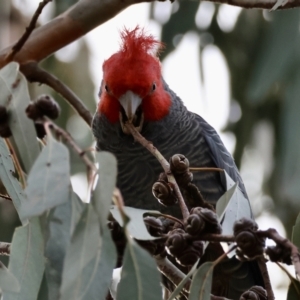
131	111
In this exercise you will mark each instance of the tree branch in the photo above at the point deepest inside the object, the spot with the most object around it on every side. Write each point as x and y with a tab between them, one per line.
85	15
35	74
18	46
78	20
5	197
261	4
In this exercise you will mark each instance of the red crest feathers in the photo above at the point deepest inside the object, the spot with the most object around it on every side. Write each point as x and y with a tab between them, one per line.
134	67
137	42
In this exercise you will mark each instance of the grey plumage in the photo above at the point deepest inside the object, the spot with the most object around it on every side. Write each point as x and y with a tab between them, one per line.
186	133
180	132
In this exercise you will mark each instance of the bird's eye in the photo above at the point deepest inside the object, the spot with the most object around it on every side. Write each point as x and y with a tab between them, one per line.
154	87
106	88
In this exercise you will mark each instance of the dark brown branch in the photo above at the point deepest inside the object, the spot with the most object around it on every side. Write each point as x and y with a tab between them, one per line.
35	74
18	46
265	275
272	233
217	238
164	163
5	197
5	248
172	272
261	4
85	15
195	169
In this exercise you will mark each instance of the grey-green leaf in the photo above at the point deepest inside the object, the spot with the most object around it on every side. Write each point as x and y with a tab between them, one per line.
201	283
49	180
279	3
102	196
82	256
15	97
140	279
77	209
58	233
8	282
224	200
136	225
7	176
238	207
27	261
98	289
293	290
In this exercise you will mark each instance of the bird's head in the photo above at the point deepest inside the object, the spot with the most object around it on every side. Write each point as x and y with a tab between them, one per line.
132	87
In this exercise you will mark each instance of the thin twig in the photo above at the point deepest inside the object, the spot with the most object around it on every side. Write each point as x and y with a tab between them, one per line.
164	163
192	169
172	272
68	138
167	217
16	163
36	74
272	233
20	43
5	197
262	4
265	275
5	248
213	237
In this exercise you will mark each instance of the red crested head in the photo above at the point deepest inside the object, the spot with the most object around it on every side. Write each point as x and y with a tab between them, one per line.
132	87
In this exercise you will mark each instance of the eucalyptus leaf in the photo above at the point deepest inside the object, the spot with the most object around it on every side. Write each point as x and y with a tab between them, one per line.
82	257
77	209
102	279
8	282
15	97
58	233
201	283
102	196
136	225
8	75
7	176
279	3
27	261
183	281
140	279
224	200
49	180
238	207
294	290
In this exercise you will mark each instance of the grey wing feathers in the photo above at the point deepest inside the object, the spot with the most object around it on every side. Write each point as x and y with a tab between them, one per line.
221	157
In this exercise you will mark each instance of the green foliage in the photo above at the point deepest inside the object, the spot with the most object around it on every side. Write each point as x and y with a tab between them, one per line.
140	278
294	290
15	97
202	281
135	226
48	181
7	176
27	260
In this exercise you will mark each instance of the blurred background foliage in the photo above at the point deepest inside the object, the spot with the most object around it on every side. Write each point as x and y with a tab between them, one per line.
263	58
262	51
